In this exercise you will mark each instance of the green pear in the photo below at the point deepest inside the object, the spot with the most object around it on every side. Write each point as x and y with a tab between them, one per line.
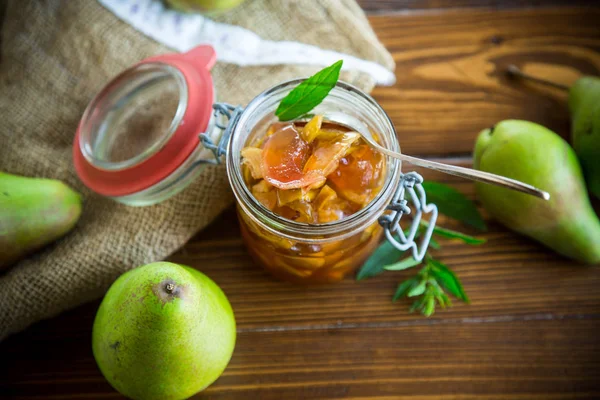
163	331
584	104
533	154
33	213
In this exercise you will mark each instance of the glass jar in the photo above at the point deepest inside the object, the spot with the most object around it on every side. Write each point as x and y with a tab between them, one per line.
148	133
301	252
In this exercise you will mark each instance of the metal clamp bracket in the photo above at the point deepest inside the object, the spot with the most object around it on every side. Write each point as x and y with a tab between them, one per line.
222	110
411	183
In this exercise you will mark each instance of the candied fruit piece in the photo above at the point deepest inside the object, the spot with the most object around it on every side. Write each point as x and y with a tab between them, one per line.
298	211
247	175
262	187
299	272
324	198
358	173
317	182
360	169
310	263
312	128
335	210
304	211
283	159
327	206
287	213
267	199
252	158
327	154
330	134
277	126
264	193
329	215
287	196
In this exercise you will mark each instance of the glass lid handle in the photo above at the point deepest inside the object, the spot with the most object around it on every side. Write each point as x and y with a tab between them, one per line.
411	183
221	112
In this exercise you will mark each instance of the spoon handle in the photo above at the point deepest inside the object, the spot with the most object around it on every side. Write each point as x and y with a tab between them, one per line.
469	173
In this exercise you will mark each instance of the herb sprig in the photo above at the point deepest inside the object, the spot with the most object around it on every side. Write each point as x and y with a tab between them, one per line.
435	281
309	94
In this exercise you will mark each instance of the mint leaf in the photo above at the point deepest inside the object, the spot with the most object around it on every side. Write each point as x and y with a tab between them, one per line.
429	302
434	244
309	94
454	204
418	289
447	279
418	304
404	287
443	300
450	234
385	254
401	265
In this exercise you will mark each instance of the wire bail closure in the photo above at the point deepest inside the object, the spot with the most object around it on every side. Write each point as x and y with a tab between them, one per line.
411	182
221	111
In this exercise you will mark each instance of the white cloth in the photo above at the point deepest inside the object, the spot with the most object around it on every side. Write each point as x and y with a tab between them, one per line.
232	44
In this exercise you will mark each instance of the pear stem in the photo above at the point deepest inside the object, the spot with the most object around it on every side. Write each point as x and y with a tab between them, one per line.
513	70
170	288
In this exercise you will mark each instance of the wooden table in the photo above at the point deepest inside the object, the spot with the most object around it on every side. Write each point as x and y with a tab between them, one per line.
532	330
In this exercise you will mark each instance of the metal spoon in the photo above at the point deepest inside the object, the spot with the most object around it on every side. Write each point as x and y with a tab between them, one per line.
356	125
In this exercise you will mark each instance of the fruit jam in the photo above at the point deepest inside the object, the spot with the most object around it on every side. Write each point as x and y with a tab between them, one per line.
311	173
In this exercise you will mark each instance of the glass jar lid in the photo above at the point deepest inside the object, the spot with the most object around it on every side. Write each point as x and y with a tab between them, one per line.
145	123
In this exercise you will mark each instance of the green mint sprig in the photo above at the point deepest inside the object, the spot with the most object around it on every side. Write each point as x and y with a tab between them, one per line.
309	94
429	286
435	280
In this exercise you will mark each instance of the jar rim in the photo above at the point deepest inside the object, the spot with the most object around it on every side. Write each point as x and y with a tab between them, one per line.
123	79
311	232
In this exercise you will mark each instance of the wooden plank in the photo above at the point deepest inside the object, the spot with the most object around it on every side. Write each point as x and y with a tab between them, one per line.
450	71
535	359
391	6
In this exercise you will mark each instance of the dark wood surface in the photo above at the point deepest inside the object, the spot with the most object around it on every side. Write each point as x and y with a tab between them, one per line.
531	331
410	6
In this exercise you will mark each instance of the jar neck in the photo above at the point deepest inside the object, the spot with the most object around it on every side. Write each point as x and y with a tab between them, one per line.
256	118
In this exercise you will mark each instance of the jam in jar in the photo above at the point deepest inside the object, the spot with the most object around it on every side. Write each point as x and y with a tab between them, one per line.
309	192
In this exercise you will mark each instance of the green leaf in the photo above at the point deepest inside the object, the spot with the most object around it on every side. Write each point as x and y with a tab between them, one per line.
403	288
418	289
429	306
402	265
434	244
450	234
454	204
385	254
416	305
447	279
309	94
444	300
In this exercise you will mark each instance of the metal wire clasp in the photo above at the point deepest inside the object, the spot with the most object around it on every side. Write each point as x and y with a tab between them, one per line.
411	182
221	112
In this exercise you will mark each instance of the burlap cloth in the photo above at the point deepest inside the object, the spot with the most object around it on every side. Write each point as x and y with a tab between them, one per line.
56	54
